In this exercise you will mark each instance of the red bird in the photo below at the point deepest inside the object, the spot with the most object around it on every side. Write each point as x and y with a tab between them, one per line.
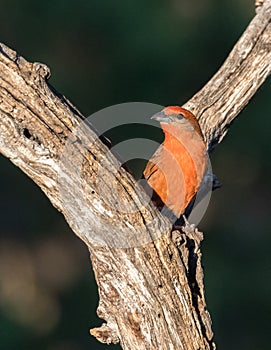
176	169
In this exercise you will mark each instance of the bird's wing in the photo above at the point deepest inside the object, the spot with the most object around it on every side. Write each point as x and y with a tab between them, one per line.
153	164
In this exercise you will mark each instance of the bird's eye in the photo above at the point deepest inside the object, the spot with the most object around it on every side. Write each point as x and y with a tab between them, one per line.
180	116
176	117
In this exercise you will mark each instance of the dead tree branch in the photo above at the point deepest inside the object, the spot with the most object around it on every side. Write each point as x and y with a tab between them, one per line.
152	296
248	65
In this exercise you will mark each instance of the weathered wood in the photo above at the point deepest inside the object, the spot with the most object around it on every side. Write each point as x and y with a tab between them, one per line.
137	286
151	296
248	65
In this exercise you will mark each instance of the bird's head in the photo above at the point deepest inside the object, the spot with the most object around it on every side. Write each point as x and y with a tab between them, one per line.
175	116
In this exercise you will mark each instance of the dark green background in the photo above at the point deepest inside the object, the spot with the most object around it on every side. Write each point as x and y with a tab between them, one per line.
103	52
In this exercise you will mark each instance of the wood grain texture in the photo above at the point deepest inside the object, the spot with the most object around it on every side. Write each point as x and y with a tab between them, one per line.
248	65
151	296
146	296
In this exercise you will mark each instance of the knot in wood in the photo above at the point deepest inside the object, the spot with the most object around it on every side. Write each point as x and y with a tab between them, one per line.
40	70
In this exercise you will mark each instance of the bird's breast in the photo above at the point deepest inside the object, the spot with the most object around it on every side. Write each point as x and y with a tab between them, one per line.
176	169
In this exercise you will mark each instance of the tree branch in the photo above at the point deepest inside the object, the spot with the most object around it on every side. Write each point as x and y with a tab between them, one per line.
248	65
151	296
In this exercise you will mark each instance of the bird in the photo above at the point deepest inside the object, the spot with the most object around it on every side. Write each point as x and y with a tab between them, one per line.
174	173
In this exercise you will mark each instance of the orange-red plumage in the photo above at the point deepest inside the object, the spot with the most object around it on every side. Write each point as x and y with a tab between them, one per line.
176	169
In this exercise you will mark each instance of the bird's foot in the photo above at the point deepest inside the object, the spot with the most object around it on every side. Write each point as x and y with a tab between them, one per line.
182	224
187	227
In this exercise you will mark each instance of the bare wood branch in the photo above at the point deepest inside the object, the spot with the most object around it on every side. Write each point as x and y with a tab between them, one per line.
258	5
152	296
138	287
248	65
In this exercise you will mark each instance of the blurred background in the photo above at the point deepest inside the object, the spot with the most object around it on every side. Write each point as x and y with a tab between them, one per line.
104	52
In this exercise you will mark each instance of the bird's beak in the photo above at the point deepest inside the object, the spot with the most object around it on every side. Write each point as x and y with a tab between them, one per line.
160	117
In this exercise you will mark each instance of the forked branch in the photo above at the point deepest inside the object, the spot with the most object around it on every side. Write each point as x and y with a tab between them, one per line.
152	296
